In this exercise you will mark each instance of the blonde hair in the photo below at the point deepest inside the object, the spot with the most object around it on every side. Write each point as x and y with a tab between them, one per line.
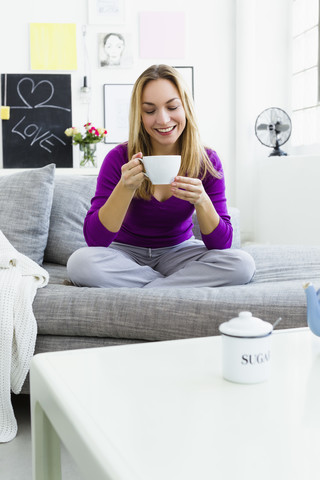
194	159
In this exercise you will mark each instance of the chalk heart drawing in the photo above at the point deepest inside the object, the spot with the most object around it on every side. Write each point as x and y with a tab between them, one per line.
26	89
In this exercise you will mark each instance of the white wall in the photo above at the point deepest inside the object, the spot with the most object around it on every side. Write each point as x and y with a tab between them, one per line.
210	48
262	81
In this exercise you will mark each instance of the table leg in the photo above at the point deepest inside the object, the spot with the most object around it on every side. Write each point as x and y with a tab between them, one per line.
46	451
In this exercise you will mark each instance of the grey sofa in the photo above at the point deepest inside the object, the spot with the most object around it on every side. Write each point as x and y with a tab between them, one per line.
42	212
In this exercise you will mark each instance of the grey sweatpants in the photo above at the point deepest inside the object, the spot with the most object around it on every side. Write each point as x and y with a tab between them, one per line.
188	264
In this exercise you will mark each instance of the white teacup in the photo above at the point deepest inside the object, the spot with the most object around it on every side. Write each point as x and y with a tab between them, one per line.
161	169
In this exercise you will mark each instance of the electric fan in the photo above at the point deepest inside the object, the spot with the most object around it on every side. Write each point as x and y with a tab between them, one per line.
273	129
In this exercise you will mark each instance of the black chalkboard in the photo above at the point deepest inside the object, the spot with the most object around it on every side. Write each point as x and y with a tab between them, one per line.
40	111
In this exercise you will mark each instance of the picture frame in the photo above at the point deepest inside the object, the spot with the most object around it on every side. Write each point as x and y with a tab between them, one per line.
115	49
116	111
103	12
187	73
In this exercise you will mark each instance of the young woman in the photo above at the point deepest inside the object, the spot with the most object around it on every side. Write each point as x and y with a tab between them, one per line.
139	234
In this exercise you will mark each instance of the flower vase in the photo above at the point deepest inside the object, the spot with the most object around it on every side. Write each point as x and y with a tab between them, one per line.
88	155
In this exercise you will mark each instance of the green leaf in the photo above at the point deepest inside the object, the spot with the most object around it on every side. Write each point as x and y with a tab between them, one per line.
77	138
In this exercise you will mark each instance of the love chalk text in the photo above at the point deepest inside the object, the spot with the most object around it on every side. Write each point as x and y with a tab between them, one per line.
29	92
46	140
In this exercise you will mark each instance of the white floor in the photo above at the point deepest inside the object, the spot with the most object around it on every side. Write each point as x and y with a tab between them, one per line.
15	456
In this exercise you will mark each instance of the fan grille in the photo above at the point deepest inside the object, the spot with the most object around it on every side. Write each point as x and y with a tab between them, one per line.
273	127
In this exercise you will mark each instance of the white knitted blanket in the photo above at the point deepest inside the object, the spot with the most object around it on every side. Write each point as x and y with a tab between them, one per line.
19	279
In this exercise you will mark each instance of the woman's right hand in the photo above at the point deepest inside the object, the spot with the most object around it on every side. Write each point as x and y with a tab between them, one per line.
113	212
132	174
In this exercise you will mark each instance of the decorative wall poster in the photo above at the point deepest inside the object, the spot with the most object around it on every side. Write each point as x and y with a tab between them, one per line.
115	49
53	46
40	111
116	111
162	34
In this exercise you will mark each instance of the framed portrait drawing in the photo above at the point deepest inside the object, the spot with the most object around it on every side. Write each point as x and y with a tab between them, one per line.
115	49
116	111
104	12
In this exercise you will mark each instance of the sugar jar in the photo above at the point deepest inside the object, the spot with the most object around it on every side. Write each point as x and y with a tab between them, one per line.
246	349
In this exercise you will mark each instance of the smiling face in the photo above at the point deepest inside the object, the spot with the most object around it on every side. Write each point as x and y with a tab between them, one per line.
163	116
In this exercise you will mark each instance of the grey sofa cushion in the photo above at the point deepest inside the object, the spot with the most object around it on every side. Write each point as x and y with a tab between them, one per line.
163	314
71	201
281	263
25	206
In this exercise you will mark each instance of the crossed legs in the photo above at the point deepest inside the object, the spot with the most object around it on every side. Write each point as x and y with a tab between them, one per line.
188	264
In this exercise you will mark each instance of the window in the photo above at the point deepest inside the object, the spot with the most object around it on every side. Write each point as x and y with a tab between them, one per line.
305	73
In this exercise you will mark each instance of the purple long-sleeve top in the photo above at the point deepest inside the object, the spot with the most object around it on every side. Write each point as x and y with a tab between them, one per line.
150	223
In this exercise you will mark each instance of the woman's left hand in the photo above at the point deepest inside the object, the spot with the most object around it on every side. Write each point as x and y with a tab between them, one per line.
189	189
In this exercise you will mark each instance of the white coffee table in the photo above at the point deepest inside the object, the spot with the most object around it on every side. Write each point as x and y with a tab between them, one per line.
163	411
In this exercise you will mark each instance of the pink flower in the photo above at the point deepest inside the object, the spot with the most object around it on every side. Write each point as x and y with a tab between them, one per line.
94	131
91	135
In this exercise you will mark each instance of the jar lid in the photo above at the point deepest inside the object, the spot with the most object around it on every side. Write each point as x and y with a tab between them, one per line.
245	325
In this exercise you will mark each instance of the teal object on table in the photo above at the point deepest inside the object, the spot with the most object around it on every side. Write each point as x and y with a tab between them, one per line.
313	308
